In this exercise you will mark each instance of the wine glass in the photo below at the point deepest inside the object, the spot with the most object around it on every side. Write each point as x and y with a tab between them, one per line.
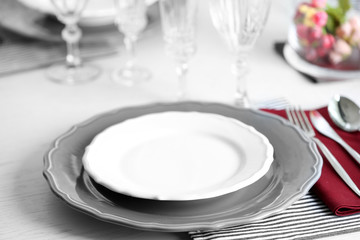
131	19
240	22
178	19
73	71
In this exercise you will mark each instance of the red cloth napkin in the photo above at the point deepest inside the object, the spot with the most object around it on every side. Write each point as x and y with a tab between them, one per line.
330	188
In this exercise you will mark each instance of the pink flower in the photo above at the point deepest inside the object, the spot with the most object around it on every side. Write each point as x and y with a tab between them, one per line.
341	51
344	31
315	33
327	41
325	45
342	47
355	37
321	51
318	3
320	18
335	57
310	54
302	31
355	22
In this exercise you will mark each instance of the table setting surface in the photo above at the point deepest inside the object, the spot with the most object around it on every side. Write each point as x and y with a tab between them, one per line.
35	112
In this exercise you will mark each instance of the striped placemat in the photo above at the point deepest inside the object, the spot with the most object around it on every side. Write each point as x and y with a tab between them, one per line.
308	218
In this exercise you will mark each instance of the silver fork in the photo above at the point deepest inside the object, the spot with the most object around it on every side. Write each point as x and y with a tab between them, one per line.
298	118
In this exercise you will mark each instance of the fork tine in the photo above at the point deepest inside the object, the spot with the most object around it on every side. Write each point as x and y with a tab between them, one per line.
289	116
301	117
292	116
295	117
307	122
298	117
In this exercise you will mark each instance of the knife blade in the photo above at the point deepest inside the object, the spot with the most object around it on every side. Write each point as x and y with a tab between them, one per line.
324	128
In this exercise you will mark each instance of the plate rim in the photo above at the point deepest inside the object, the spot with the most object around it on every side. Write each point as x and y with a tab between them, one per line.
90	29
305	187
320	73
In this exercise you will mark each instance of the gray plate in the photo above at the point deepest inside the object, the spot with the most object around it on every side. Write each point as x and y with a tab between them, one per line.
296	168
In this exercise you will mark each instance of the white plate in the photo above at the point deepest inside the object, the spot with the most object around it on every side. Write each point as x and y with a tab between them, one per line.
178	156
36	24
96	13
321	74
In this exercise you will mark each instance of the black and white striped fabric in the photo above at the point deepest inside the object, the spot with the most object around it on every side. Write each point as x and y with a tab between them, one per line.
308	218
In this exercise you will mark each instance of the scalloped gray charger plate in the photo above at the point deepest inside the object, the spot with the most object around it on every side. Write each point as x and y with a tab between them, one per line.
296	167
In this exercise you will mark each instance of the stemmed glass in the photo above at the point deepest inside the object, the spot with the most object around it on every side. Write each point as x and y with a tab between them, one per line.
131	20
73	71
240	23
179	29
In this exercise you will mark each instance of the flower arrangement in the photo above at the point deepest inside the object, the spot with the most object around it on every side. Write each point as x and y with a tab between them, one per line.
325	33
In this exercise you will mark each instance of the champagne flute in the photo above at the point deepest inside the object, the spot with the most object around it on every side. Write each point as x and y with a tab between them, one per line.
131	20
73	71
179	29
240	22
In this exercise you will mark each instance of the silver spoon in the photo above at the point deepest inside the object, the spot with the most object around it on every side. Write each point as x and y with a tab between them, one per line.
344	113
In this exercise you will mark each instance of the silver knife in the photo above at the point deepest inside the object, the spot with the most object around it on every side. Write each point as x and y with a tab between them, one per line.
324	128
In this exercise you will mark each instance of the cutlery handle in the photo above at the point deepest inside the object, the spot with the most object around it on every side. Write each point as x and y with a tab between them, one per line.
337	166
350	150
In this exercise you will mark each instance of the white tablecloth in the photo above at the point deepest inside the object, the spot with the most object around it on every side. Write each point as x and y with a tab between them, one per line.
34	111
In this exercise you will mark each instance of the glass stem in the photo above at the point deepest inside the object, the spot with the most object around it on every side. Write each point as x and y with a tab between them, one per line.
181	71
240	70
72	34
129	42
